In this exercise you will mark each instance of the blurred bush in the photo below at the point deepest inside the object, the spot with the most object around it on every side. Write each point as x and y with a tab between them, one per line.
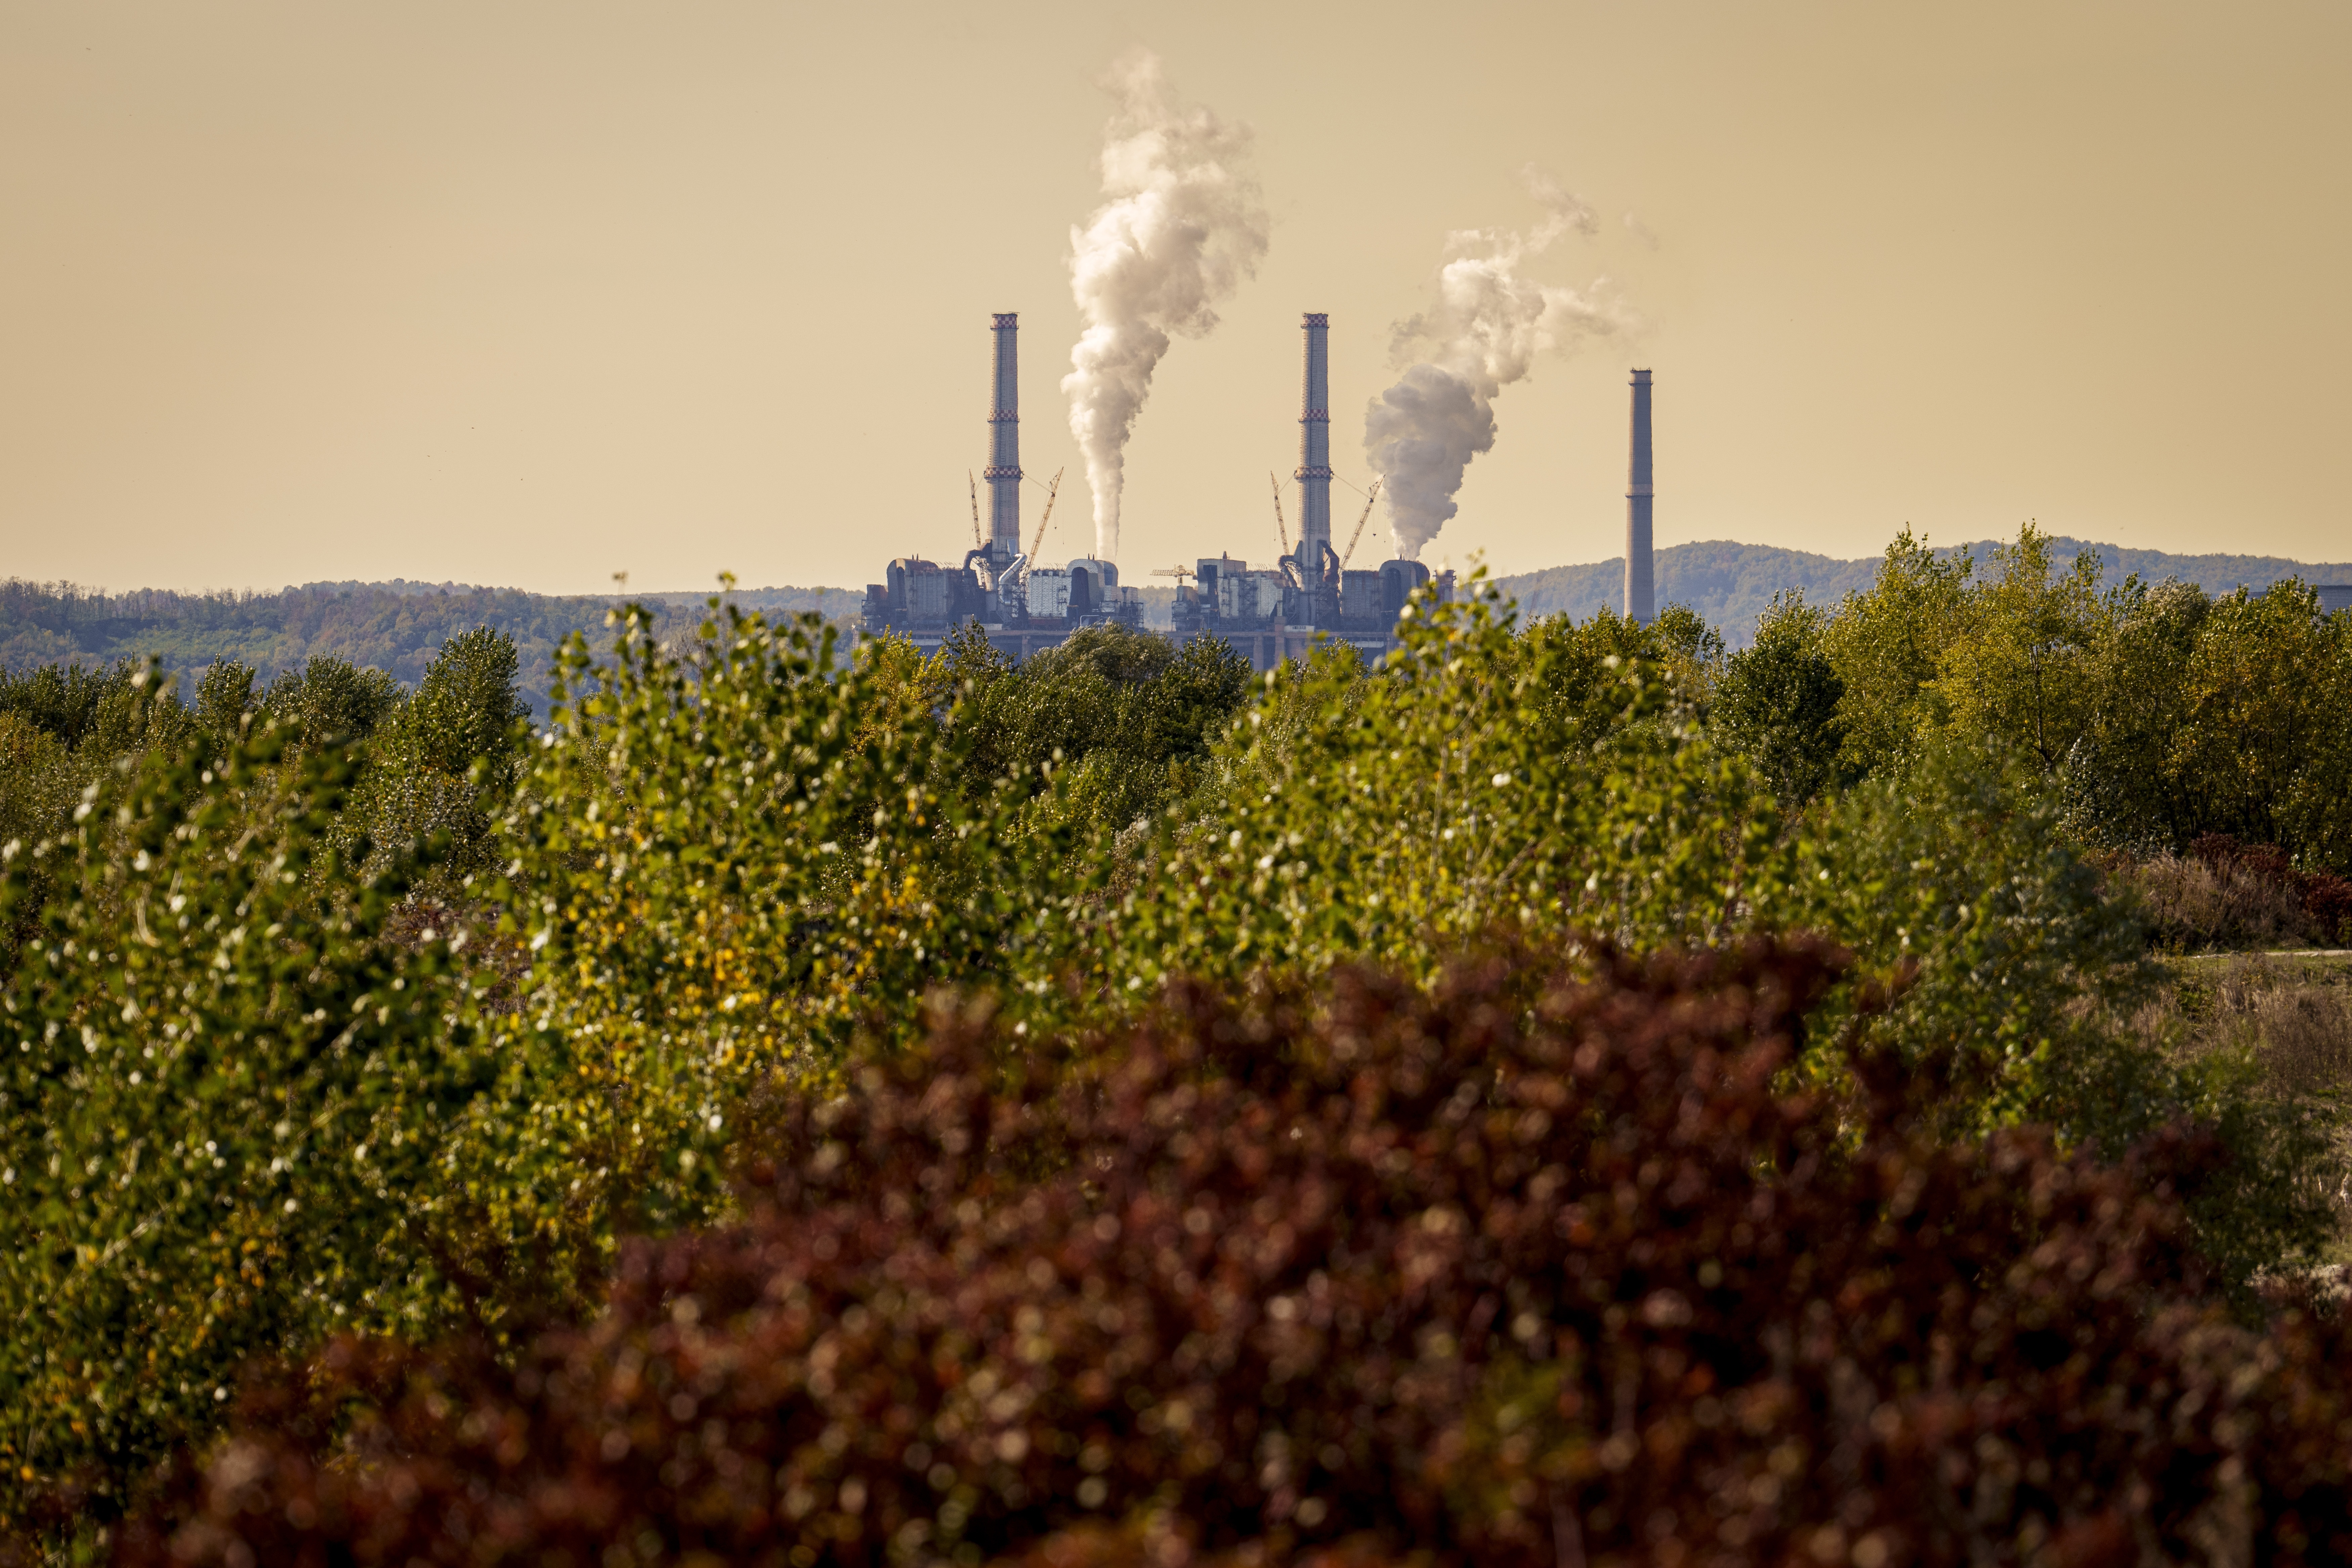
1538	1264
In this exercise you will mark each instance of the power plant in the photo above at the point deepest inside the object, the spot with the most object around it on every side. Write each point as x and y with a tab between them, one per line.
1310	595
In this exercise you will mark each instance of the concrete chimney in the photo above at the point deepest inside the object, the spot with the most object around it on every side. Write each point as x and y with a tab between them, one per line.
1641	590
1314	474
1004	445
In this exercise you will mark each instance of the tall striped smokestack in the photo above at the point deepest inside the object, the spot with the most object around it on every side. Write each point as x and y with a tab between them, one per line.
1004	445
1314	474
1641	594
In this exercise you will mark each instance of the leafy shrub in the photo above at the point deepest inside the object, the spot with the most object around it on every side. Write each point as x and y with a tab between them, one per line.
1959	878
1777	703
1481	778
2018	984
1538	1267
1138	712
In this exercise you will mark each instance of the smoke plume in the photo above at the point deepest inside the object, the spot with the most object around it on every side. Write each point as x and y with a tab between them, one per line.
1183	225
1485	332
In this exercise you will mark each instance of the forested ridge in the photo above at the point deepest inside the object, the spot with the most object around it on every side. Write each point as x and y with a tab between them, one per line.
396	627
1731	585
1570	1092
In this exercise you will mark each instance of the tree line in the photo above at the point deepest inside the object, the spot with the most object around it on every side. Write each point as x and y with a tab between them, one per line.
396	627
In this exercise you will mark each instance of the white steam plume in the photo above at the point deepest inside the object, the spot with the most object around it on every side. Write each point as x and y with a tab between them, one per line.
1183	226
1485	332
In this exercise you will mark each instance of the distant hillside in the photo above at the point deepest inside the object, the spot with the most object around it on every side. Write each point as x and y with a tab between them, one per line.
398	626
395	626
1730	583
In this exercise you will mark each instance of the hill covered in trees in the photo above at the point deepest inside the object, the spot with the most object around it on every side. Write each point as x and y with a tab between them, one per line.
1731	585
397	628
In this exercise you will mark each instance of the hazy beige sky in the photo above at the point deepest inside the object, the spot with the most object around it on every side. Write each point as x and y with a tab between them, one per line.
532	293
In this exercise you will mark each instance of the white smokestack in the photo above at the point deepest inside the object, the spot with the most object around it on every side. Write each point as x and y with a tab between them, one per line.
1485	332
1183	226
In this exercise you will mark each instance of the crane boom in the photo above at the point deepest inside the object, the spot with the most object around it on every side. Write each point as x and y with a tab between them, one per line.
975	507
1281	528
1369	497
1052	490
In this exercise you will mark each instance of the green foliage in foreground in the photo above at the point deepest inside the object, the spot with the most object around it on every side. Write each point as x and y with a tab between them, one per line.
224	1109
425	1009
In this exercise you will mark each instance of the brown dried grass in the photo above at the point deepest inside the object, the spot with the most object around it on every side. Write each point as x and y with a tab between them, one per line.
2194	904
2292	1018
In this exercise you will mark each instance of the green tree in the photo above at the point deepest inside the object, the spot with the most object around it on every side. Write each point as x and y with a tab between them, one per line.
224	702
328	700
2263	754
442	764
219	1112
1777	703
2015	675
1888	647
62	700
2119	776
1477	781
1127	718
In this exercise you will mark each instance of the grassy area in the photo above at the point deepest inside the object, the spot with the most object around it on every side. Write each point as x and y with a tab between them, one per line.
2287	1014
2291	1012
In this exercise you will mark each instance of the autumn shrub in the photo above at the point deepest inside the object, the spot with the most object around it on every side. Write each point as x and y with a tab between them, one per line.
1539	1265
2325	897
2227	895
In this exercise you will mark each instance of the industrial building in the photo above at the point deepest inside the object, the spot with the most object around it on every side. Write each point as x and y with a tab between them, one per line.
1310	595
1021	608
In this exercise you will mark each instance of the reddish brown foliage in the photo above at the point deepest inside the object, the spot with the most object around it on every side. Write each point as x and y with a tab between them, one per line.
1526	1272
2326	897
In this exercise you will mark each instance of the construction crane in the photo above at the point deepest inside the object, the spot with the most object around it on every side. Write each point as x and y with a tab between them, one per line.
1181	574
1281	528
1369	497
975	507
1052	490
